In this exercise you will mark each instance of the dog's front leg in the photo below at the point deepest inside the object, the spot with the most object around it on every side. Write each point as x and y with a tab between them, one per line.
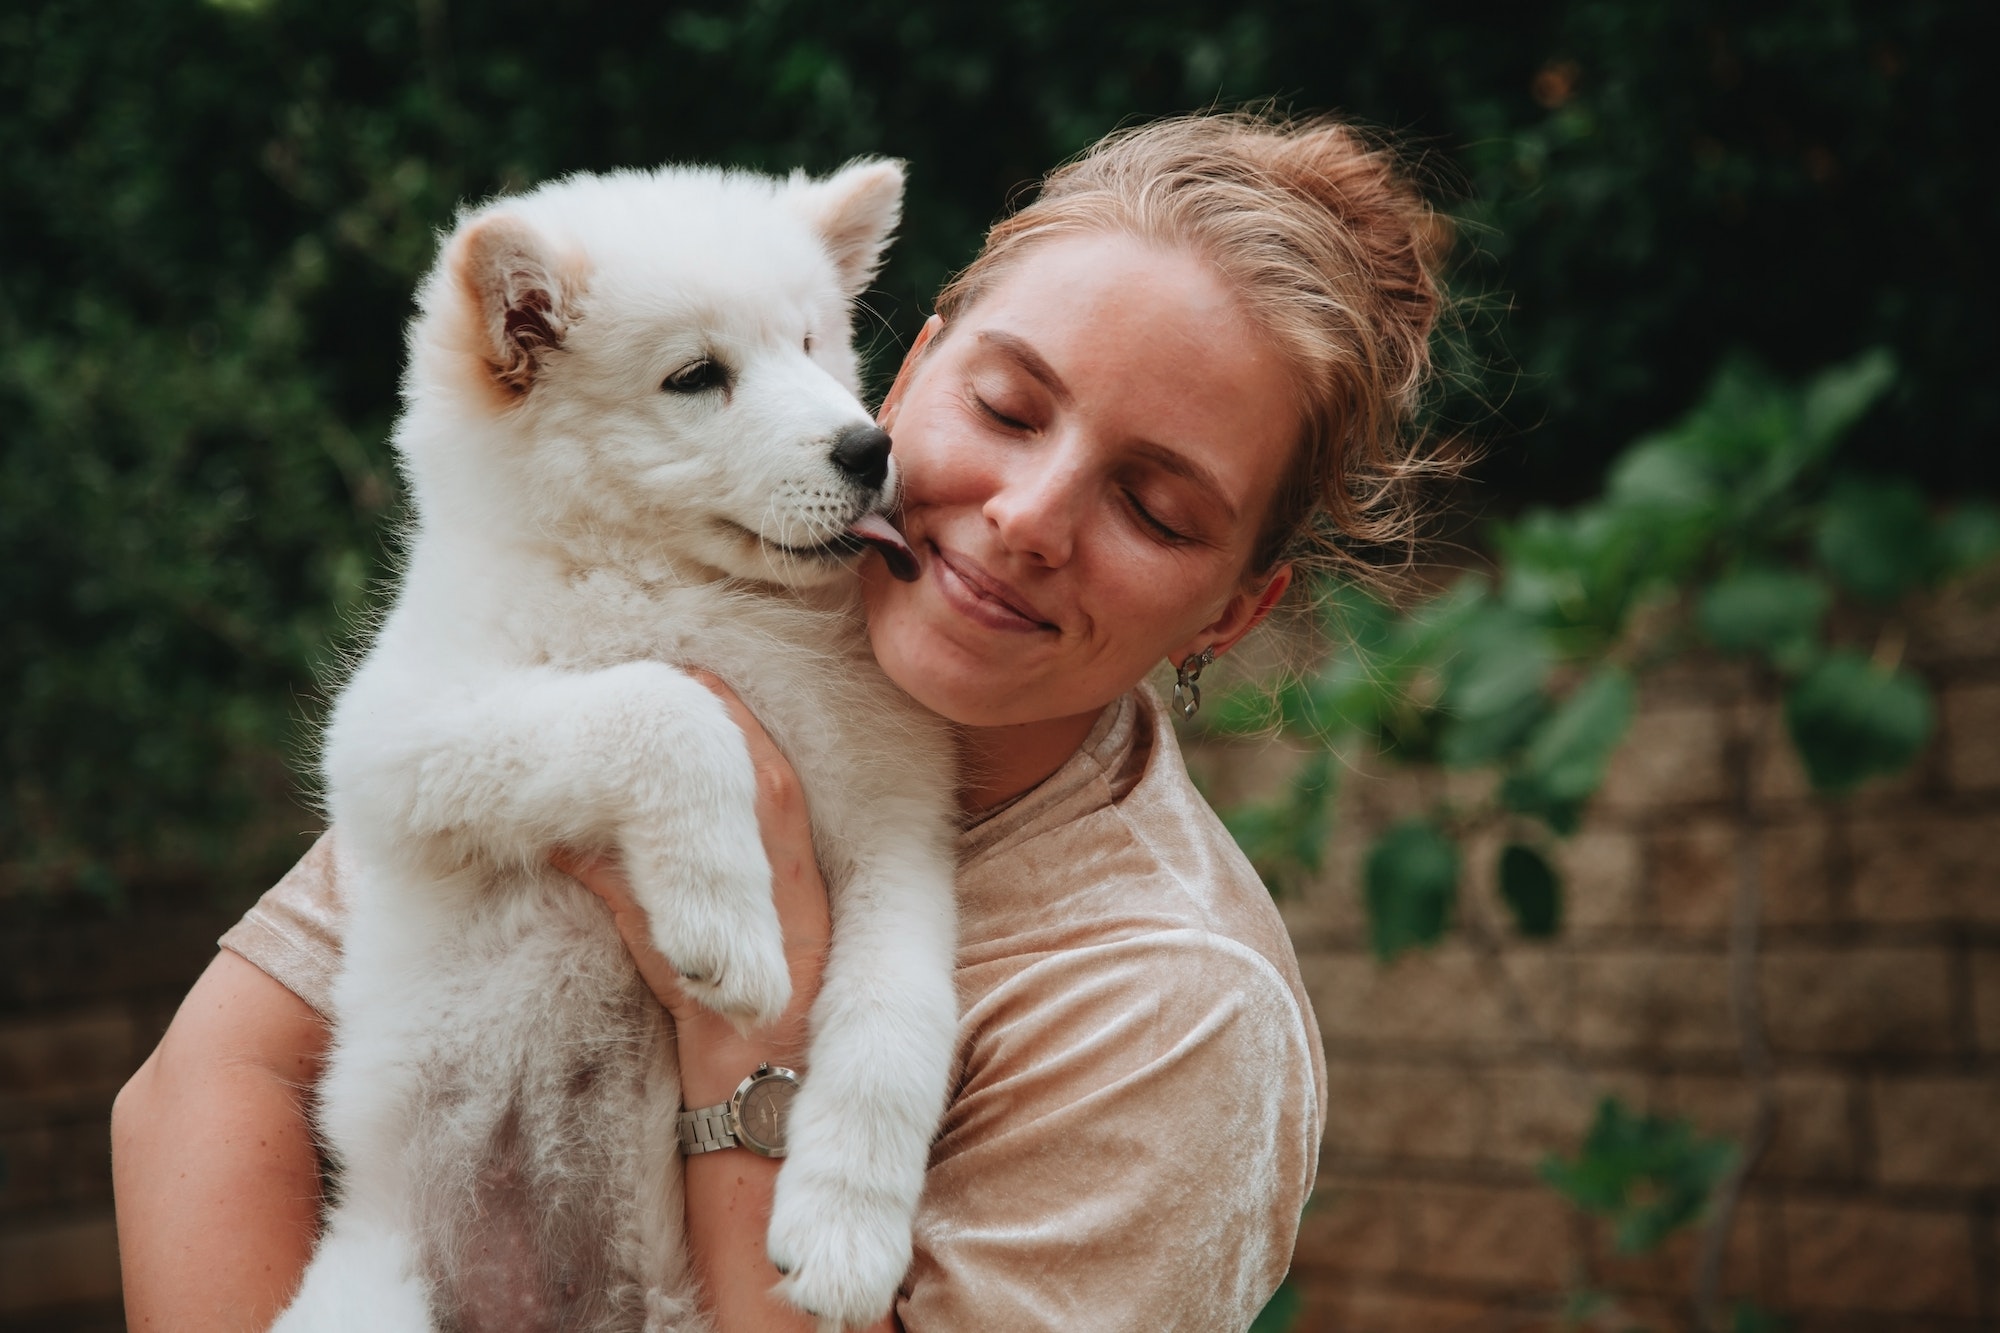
884	1028
639	755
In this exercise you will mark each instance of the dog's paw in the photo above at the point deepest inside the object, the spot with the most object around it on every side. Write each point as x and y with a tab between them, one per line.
843	1248
709	910
748	986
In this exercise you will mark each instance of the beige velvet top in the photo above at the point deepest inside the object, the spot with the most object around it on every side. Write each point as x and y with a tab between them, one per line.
1141	1089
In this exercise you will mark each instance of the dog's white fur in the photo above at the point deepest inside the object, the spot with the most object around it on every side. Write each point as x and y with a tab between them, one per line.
501	1095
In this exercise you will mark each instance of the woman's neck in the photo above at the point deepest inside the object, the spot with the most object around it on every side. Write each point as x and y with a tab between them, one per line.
997	764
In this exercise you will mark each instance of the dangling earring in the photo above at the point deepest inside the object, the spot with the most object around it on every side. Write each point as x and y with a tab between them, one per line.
1187	682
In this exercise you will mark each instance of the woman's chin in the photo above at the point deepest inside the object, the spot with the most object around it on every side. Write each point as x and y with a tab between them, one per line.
968	703
975	676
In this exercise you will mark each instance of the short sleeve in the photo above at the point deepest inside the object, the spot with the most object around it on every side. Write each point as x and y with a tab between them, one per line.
1130	1146
293	932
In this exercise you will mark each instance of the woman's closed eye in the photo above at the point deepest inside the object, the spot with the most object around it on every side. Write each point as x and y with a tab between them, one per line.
995	415
1159	527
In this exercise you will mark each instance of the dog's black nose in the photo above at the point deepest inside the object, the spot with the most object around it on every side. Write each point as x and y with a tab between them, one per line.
862	452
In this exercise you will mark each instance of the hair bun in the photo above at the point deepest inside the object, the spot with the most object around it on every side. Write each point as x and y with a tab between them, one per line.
1398	238
1336	254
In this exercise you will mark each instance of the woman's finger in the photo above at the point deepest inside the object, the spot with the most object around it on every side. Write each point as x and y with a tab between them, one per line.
605	877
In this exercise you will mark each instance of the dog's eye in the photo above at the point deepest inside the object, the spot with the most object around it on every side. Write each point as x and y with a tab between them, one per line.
697	377
809	344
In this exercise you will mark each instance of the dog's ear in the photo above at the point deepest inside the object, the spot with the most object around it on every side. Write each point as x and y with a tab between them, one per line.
855	211
521	300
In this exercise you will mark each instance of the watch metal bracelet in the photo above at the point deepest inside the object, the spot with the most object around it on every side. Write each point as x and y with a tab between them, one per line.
706	1130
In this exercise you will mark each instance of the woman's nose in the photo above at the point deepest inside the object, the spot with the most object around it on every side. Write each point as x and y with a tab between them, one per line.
1034	507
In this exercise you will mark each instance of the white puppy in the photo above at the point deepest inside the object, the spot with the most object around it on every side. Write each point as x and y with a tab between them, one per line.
632	438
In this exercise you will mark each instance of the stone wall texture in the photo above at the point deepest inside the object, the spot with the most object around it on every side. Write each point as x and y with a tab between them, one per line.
1452	1073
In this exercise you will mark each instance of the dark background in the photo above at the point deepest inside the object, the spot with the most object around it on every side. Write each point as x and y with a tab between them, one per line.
212	216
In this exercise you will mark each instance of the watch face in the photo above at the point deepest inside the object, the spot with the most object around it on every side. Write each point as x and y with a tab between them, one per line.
762	1113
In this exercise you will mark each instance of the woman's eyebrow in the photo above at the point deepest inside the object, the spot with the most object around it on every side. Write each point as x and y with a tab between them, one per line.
1205	481
1018	350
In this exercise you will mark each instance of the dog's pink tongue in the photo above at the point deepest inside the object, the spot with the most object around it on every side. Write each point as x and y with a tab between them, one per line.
879	533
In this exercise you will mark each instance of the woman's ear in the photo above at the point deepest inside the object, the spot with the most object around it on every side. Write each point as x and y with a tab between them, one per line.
1242	613
885	417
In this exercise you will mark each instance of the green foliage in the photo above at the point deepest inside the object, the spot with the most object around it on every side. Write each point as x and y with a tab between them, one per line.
1969	537
1563	761
1732	527
1646	1175
1286	838
1852	721
1748	1318
1773	613
1280	1314
1493	693
1532	891
1411	884
1875	537
216	212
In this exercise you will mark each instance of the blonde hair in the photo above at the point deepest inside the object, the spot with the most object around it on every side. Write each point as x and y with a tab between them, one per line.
1335	254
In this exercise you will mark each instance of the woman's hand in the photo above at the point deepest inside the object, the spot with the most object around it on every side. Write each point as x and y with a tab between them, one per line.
714	1056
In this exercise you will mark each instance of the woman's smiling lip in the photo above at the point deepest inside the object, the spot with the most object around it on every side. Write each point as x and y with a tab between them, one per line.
981	597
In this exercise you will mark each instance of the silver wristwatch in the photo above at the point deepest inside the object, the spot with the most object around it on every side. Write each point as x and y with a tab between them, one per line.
753	1118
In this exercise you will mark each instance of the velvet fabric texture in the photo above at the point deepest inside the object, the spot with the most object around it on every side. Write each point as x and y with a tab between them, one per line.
1135	1121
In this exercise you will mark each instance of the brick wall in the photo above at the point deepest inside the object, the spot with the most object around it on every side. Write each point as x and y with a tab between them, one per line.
85	991
1879	977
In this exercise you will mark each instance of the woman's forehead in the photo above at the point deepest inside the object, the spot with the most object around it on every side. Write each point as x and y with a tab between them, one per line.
1150	339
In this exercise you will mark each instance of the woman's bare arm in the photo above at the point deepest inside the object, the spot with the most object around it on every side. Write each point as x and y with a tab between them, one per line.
212	1158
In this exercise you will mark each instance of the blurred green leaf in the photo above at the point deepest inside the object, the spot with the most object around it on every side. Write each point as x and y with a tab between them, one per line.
1874	537
1749	1318
1500	660
1411	886
1284	838
1493	673
1647	1175
1280	1314
1532	891
1469	741
1524	796
1564	761
1662	472
1840	396
1775	612
1968	537
1852	721
1567	756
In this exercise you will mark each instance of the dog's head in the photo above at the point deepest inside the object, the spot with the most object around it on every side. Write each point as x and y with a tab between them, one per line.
663	357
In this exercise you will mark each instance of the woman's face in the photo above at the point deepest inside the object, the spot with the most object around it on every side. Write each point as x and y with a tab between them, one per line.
1087	455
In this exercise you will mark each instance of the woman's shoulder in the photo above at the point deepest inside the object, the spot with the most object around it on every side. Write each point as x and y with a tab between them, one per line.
1134	1043
1128	930
1122	849
294	931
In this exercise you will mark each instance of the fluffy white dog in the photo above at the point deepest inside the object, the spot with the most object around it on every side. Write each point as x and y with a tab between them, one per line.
632	437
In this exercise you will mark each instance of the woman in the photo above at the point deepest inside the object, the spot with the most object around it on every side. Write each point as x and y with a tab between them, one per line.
1184	371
